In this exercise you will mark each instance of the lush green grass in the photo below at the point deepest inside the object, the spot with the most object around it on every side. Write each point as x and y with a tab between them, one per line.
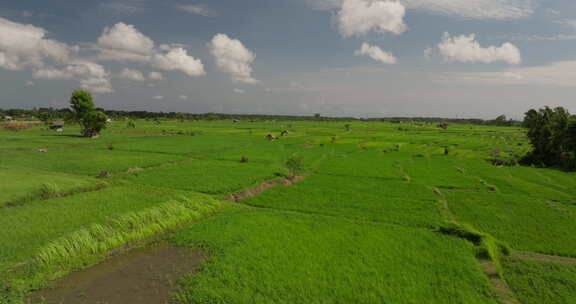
262	256
86	161
523	222
541	282
364	226
37	223
25	183
215	177
363	198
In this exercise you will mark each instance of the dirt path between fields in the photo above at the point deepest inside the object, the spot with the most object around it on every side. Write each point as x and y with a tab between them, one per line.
506	296
140	276
543	257
499	285
264	186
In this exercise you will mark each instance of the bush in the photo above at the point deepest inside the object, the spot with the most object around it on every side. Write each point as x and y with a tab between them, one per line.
48	190
294	164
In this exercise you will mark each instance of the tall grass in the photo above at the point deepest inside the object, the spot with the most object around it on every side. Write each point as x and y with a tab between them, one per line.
80	246
92	244
487	246
17	126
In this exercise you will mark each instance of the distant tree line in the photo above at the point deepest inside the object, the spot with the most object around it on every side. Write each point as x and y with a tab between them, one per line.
552	133
52	114
501	120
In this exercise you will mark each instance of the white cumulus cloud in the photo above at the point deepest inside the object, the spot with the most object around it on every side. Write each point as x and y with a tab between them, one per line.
177	59
466	49
359	17
155	76
233	58
198	9
92	76
376	53
239	91
130	74
124	42
25	46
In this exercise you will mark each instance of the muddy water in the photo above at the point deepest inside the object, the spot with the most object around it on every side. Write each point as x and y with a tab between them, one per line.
142	276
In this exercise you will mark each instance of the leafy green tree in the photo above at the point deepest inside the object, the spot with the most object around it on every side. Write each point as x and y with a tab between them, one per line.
85	113
46	117
93	123
81	103
552	133
180	117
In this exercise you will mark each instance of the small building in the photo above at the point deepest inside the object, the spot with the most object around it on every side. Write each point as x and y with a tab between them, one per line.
57	126
8	118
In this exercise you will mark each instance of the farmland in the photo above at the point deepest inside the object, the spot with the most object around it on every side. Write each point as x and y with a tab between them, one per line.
380	212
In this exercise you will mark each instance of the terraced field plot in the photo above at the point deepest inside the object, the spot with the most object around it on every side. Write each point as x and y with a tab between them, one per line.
382	213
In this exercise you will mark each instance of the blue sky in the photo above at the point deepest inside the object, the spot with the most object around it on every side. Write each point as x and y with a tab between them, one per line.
364	58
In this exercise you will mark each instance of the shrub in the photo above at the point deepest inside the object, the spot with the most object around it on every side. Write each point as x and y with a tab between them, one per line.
48	190
104	174
294	164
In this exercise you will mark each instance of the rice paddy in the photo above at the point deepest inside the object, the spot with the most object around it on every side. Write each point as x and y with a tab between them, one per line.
380	213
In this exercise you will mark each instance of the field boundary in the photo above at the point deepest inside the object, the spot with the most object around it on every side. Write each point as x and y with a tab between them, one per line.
251	192
45	195
538	257
489	250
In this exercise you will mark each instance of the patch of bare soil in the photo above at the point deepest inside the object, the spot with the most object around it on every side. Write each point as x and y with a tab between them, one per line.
141	276
266	185
506	296
543	258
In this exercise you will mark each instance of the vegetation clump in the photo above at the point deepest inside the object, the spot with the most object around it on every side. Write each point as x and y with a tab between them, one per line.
552	134
91	121
294	165
17	126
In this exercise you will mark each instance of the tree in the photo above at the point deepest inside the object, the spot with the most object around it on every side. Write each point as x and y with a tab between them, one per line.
552	133
46	117
81	103
501	121
93	123
84	112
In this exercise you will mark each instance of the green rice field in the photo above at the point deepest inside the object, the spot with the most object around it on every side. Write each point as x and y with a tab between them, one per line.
376	213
